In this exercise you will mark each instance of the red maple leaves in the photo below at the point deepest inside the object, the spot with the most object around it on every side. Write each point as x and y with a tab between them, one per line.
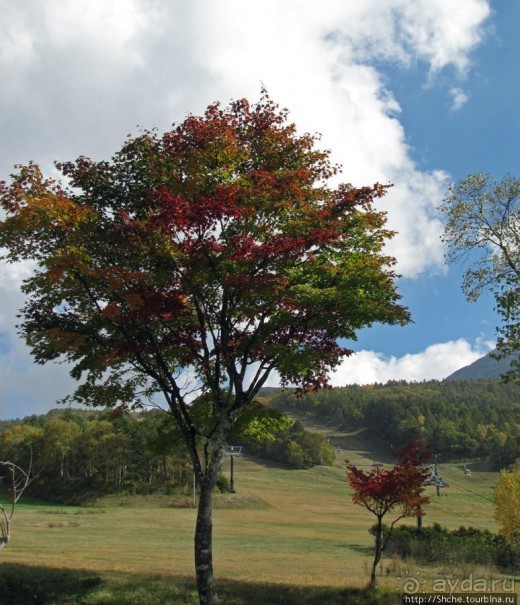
380	490
218	245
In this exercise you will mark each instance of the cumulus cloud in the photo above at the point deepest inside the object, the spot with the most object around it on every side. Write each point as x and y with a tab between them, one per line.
434	363
78	76
435	32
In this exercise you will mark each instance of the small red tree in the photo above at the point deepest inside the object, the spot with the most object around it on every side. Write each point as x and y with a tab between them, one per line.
381	491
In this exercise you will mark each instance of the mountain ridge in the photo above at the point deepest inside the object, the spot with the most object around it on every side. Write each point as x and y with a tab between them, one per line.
485	367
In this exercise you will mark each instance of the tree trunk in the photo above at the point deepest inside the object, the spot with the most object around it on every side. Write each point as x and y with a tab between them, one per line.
204	541
379	550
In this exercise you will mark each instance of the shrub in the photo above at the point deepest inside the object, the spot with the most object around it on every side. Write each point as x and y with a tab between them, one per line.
463	545
223	485
296	447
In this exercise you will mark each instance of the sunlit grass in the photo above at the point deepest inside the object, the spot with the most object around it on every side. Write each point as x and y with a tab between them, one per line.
284	529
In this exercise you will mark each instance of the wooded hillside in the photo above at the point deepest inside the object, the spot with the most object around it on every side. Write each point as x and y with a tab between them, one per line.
78	455
455	419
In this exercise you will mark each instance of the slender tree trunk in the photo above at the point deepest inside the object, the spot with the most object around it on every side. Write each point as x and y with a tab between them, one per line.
379	550
419	517
204	541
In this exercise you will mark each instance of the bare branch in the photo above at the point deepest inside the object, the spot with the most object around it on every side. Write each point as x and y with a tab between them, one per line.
19	480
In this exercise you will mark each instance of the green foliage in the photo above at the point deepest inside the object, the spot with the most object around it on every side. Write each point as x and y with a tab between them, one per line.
223	484
437	544
259	423
78	456
296	447
507	504
483	216
456	419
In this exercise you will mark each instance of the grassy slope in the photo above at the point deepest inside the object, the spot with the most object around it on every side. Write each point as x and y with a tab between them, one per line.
283	527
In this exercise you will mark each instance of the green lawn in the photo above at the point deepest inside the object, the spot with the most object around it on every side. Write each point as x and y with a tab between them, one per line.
286	536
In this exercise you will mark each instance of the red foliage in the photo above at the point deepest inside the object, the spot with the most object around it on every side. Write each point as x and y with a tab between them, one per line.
218	245
207	259
380	490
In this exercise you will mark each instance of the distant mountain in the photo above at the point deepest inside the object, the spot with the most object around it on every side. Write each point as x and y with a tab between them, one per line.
484	368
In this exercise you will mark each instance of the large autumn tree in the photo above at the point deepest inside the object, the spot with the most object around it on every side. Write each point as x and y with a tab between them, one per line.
199	261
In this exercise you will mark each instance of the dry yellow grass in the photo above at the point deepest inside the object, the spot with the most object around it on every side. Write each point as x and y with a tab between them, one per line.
294	527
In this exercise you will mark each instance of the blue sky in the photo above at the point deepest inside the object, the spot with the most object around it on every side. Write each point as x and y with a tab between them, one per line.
481	136
414	92
484	133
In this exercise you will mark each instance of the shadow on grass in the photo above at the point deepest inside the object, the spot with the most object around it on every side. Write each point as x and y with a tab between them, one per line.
241	593
24	585
360	548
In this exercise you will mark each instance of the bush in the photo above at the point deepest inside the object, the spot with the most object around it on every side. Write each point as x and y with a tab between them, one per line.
223	485
296	447
463	545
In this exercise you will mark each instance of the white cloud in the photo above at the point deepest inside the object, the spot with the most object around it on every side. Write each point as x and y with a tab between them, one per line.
78	76
435	363
458	98
437	32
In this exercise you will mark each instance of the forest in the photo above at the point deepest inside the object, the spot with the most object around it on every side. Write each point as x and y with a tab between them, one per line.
78	455
456	420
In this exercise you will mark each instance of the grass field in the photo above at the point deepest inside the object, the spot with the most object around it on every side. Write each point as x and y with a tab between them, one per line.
286	536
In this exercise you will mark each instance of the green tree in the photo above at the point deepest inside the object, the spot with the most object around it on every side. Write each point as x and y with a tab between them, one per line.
483	215
259	423
22	443
507	504
95	448
59	443
203	259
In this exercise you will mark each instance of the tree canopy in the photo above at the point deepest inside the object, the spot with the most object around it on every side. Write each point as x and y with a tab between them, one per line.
77	456
455	419
199	261
483	215
507	504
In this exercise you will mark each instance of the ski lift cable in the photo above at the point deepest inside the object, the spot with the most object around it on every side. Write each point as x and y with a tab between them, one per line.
462	487
461	516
